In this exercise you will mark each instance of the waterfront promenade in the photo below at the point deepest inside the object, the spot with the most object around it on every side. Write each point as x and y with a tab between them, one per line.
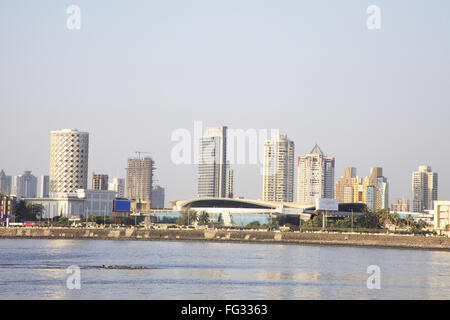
313	238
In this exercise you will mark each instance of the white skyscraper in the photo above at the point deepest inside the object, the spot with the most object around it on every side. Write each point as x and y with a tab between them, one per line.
424	189
117	185
315	176
69	153
278	169
212	166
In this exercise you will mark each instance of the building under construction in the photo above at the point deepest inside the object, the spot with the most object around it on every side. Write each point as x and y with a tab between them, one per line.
140	178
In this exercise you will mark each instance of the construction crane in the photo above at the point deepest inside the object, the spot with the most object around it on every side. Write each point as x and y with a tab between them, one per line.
141	152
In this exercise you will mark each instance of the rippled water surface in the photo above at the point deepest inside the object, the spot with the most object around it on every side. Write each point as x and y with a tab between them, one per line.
36	269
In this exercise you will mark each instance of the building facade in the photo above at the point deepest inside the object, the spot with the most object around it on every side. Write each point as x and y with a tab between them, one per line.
69	155
315	176
278	169
442	215
380	186
229	190
402	205
346	185
118	185
212	166
5	183
99	181
25	185
157	197
424	189
140	178
44	190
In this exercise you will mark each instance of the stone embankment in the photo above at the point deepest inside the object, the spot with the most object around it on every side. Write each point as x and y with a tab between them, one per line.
345	239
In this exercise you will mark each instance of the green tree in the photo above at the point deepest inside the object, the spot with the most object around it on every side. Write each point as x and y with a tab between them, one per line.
253	225
203	218
187	218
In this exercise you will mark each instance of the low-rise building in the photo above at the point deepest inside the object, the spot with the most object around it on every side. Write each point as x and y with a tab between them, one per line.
442	215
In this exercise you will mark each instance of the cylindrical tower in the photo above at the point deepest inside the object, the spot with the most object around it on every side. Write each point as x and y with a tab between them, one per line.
69	153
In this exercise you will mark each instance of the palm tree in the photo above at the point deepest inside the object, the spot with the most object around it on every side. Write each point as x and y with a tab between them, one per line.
203	218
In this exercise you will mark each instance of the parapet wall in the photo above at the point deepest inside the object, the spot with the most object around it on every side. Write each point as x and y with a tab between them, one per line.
349	239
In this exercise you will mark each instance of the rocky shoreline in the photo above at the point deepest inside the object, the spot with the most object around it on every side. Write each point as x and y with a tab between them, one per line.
317	238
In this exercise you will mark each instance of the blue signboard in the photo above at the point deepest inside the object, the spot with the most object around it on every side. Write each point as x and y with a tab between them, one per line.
122	205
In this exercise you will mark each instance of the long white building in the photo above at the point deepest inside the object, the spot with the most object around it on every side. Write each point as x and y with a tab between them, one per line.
278	169
69	154
315	176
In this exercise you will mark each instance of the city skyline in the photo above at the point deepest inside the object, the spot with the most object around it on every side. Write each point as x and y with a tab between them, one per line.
316	150
359	94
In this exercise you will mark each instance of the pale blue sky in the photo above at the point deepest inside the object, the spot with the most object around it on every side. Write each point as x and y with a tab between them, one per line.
138	70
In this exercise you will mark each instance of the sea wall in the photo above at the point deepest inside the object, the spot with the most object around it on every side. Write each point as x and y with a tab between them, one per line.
348	239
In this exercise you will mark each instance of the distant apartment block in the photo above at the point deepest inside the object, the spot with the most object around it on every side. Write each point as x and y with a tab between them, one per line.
139	178
5	183
25	185
212	173
346	187
157	197
372	190
424	189
44	189
229	189
278	169
315	176
69	154
402	205
380	186
117	185
99	181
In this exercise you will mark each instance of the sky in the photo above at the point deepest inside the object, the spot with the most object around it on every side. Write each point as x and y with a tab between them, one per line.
137	71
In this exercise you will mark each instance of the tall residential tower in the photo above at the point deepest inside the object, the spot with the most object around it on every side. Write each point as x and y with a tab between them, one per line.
424	189
212	166
278	169
315	176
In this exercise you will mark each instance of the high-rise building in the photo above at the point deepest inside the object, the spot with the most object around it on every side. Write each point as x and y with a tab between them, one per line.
424	189
402	205
380	186
345	186
69	153
25	185
99	181
278	169
212	163
44	189
373	190
140	178
118	185
157	197
315	176
5	183
229	190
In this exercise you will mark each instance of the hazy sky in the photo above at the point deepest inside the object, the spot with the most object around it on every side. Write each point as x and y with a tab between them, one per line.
138	70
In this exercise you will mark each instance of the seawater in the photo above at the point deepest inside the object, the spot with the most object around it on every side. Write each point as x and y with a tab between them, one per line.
36	269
